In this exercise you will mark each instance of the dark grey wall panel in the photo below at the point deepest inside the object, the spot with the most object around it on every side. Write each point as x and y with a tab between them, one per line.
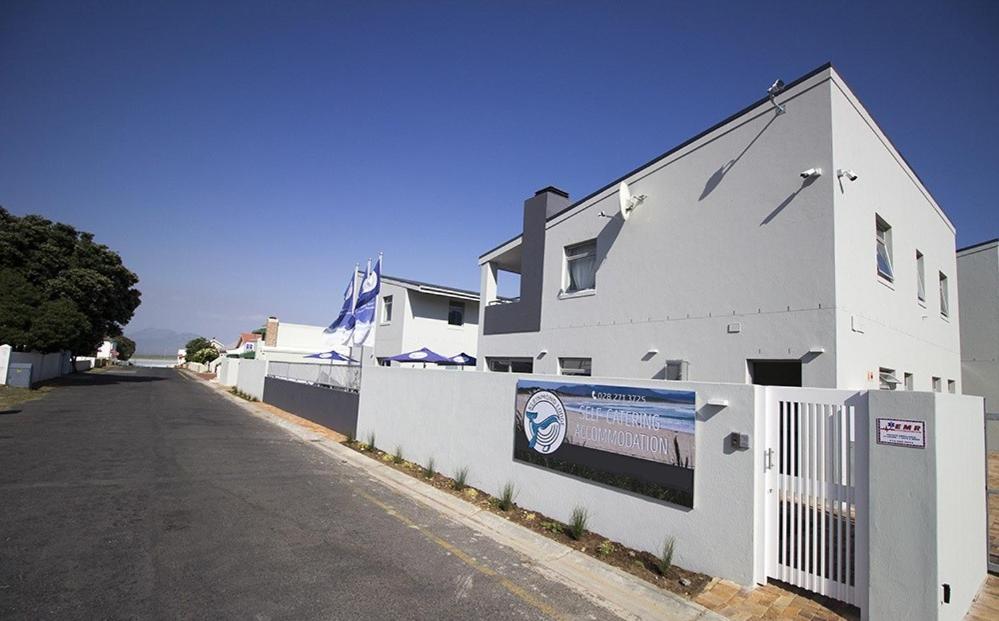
329	407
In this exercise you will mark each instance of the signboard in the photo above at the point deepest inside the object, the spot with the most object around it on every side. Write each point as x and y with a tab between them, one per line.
638	439
901	432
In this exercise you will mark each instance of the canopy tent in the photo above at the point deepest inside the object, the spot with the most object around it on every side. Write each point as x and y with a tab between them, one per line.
420	355
331	355
461	359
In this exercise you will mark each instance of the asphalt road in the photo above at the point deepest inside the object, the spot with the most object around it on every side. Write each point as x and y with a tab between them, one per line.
142	494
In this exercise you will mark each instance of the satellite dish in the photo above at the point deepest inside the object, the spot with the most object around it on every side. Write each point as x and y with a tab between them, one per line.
628	202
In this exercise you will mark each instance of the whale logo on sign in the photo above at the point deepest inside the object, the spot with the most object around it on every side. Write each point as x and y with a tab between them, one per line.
544	422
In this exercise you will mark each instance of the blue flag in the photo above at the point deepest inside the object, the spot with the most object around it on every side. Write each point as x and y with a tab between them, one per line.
367	301
343	325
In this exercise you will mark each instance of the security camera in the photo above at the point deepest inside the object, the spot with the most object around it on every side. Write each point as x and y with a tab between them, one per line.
811	173
849	174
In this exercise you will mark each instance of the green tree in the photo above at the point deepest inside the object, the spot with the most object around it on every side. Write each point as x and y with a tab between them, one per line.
205	355
194	346
125	347
61	290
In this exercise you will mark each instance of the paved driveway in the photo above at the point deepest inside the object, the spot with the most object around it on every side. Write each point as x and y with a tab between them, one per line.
141	494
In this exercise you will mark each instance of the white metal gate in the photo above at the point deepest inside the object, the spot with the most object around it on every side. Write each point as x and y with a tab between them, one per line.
816	485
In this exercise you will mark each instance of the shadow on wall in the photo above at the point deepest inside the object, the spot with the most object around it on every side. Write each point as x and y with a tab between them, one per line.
607	237
787	201
715	179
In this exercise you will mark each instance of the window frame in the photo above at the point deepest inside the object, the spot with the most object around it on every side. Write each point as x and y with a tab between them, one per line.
920	278
936	384
450	310
569	254
908	381
882	239
952	386
944	295
585	368
388	305
886	377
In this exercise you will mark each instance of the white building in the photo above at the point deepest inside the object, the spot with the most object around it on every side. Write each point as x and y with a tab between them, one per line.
978	281
291	342
107	351
413	314
752	259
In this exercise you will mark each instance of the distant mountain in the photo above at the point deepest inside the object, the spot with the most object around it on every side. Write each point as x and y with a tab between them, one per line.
159	341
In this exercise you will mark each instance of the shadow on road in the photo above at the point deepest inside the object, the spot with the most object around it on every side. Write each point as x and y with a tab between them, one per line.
102	379
6	412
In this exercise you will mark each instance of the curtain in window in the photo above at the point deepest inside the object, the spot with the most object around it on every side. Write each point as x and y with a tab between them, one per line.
884	260
944	306
582	273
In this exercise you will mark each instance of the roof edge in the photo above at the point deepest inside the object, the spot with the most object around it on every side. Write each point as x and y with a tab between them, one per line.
745	110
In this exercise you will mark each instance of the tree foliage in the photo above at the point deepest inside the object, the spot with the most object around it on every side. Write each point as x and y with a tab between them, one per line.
61	290
125	347
194	346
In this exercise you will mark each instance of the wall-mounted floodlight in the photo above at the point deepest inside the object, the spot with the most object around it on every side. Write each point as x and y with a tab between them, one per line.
775	89
652	351
811	173
849	174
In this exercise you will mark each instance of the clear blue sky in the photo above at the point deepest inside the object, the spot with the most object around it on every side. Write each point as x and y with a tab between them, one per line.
230	150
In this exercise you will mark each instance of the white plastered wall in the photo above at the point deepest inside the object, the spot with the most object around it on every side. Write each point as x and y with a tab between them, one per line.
898	332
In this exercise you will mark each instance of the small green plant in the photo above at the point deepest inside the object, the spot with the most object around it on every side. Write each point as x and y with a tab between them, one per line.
605	548
506	497
350	436
371	440
397	456
665	560
577	523
429	471
461	478
551	526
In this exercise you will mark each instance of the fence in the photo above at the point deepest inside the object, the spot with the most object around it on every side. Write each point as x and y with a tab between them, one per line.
800	485
43	366
331	407
338	375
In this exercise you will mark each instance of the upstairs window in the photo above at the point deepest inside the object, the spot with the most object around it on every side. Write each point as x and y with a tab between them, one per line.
387	309
908	381
456	313
883	238
951	386
920	278
887	379
936	384
576	366
944	297
581	267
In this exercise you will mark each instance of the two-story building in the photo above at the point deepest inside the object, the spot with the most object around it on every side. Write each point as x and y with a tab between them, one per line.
789	244
413	314
978	278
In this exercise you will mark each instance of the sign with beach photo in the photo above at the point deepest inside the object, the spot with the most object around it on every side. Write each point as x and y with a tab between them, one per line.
638	439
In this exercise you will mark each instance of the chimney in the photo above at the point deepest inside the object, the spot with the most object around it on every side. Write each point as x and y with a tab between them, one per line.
545	203
270	339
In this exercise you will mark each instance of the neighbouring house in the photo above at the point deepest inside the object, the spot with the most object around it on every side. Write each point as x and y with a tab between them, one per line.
413	314
181	356
790	244
108	350
218	345
247	342
291	342
978	283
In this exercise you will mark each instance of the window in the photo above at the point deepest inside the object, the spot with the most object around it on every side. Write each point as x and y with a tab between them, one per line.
951	386
575	366
920	278
887	378
456	313
883	239
581	267
676	370
510	365
936	384
944	298
908	381
387	309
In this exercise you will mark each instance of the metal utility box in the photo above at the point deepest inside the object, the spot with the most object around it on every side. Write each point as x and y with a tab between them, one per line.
19	375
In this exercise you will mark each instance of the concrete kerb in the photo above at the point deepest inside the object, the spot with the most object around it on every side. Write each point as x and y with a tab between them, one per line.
618	591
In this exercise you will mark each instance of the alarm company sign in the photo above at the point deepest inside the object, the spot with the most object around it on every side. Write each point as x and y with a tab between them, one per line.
902	432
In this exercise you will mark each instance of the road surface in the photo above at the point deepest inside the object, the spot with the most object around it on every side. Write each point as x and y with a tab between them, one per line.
140	493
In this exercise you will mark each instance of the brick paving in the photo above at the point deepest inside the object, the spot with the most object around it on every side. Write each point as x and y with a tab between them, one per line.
986	606
771	602
994	506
